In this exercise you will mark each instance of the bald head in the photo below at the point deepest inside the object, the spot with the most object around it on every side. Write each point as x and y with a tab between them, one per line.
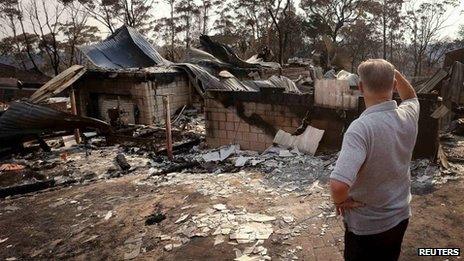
377	75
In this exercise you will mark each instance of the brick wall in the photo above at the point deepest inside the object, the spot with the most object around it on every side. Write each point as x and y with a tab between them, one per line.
142	93
180	91
252	124
251	119
126	105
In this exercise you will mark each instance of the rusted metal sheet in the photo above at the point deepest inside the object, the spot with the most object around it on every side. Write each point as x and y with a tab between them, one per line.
24	119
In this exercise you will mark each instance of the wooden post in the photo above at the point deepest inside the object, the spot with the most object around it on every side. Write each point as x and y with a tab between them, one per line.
168	126
72	97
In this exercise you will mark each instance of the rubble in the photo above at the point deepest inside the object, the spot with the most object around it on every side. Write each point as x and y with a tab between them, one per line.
122	162
306	142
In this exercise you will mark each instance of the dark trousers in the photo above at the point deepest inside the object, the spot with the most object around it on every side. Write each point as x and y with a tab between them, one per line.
383	246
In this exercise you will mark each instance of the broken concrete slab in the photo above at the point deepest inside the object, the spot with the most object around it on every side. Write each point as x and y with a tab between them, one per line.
306	142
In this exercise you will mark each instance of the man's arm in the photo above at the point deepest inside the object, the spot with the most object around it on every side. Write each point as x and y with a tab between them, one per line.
339	191
349	163
404	88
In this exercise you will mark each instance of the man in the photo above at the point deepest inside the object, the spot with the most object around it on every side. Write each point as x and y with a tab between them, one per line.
370	183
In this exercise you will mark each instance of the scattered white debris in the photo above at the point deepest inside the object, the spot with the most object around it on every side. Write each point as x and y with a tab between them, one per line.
220	207
109	215
285	153
241	161
182	218
260	218
211	156
168	247
219	239
11	208
222	154
288	219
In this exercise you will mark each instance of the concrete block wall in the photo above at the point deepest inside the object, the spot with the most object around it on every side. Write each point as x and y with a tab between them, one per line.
225	126
125	104
142	95
180	91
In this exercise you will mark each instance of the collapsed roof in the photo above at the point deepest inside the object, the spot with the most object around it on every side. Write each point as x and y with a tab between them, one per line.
126	48
227	55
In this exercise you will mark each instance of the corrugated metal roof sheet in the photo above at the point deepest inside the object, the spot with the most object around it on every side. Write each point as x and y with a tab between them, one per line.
126	48
203	80
24	118
225	54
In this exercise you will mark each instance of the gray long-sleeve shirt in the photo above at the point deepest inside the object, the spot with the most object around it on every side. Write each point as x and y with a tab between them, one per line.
374	161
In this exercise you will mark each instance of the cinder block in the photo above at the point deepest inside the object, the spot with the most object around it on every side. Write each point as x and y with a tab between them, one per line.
224	141
222	134
253	137
219	116
260	146
222	125
279	120
251	106
232	117
230	126
238	135
232	134
257	130
208	115
242	127
261	107
245	145
265	138
288	129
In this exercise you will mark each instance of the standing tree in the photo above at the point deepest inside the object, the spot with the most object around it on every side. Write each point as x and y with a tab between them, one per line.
112	13
76	31
167	28
45	26
278	14
334	14
11	43
103	11
425	22
187	9
13	14
137	14
389	13
205	8
326	19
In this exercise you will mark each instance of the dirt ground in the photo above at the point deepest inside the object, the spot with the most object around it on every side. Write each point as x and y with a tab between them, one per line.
74	222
